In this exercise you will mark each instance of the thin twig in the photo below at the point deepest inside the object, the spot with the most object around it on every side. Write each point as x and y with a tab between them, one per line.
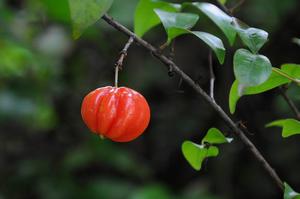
289	102
172	50
123	54
223	7
236	6
169	63
212	75
116	76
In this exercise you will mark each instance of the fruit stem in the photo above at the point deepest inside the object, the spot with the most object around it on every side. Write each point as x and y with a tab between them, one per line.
116	76
102	137
123	54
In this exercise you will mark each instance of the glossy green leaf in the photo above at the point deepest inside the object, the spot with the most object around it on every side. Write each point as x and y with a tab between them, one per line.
215	136
145	18
234	97
289	126
251	69
214	43
174	32
177	24
273	81
195	154
289	193
253	38
86	13
212	151
220	18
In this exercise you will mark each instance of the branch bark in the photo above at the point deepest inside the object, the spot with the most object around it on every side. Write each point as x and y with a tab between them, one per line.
230	123
212	75
290	102
119	64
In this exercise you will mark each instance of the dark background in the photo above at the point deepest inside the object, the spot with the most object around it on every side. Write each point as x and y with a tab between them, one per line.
47	152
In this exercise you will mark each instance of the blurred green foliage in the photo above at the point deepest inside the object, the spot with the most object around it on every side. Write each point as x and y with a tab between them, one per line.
45	150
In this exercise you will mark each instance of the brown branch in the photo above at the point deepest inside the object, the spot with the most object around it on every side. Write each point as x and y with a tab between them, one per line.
169	63
290	102
212	75
123	54
223	7
239	4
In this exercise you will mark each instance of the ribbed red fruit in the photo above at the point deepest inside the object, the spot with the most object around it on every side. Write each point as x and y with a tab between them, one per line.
120	114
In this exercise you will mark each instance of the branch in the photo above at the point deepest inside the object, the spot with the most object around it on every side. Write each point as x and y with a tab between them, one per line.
223	7
240	3
212	75
290	102
231	124
119	64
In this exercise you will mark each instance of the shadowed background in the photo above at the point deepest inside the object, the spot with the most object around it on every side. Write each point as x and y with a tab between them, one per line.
47	152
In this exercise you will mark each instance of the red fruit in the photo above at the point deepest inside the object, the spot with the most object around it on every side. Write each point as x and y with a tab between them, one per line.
120	114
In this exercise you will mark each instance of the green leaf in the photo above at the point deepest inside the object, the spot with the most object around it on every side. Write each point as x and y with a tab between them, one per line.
222	1
212	151
296	41
273	81
289	193
290	126
145	18
233	97
215	136
214	43
177	24
57	9
86	13
195	154
292	70
251	69
253	38
151	191
220	18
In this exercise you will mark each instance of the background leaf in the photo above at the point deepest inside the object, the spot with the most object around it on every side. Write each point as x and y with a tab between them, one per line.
222	1
145	18
251	69
290	126
86	13
296	41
